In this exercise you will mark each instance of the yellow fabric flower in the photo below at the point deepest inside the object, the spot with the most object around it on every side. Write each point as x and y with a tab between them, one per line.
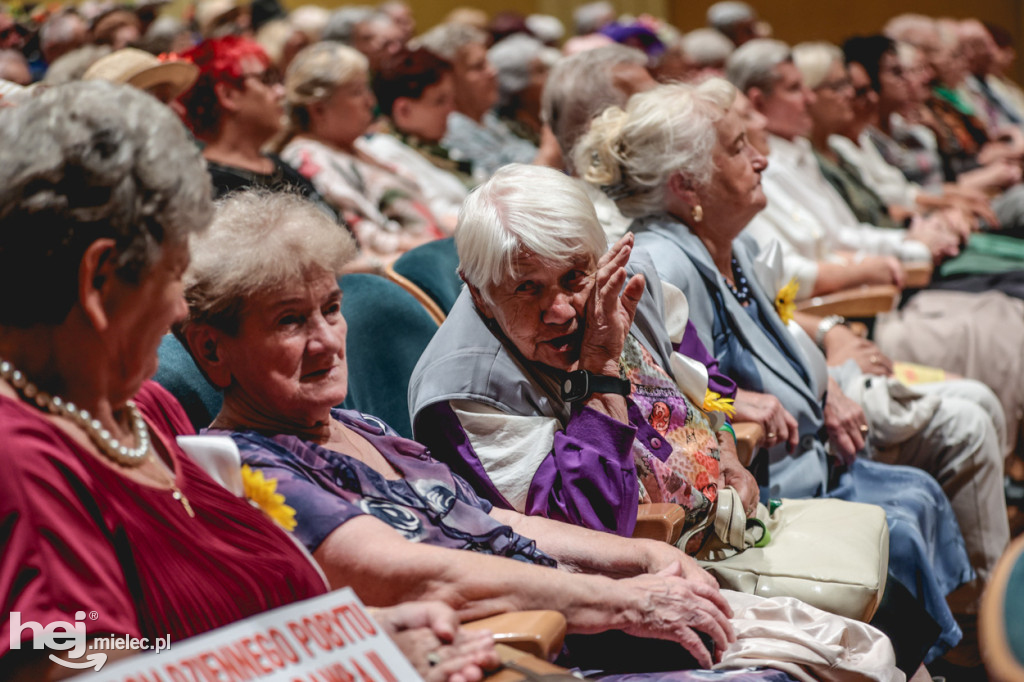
785	301
264	493
714	402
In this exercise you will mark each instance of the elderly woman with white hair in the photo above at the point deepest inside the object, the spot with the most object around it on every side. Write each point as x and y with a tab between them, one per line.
678	160
330	108
524	383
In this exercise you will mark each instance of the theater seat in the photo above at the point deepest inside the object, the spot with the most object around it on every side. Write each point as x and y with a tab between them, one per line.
1001	621
433	267
180	375
387	332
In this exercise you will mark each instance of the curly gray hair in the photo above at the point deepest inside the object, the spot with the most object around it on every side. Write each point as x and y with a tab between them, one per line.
258	241
631	154
87	161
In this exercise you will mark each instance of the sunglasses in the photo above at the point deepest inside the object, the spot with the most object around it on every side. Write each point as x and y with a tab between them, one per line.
269	77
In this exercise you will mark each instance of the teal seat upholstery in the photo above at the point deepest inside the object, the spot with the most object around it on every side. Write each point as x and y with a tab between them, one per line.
387	332
433	267
180	375
1001	620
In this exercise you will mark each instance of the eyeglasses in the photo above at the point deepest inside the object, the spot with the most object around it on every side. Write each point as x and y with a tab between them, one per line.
269	77
837	85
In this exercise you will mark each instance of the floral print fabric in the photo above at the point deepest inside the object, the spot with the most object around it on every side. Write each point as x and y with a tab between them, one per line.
687	474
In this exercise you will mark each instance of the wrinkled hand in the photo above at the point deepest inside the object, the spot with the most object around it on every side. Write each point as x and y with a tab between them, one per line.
991	178
779	425
429	631
882	270
733	473
661	555
609	313
841	345
930	231
669	606
847	426
958	223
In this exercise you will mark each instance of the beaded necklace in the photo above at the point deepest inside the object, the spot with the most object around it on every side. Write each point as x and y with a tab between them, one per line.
101	437
742	289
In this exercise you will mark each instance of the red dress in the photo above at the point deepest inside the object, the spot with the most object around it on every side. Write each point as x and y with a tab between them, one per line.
78	536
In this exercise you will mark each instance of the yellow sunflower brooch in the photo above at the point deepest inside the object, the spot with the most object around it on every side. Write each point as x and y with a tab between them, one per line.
785	301
264	494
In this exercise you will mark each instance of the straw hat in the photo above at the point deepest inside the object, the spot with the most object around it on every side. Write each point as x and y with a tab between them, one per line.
143	71
210	15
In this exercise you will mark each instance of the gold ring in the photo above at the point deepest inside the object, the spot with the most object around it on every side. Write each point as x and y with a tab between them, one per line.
863	428
433	658
771	435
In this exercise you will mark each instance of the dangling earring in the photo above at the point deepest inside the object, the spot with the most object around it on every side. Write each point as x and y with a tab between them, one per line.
698	213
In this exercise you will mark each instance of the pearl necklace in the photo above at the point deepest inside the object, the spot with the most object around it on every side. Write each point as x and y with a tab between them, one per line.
742	290
104	440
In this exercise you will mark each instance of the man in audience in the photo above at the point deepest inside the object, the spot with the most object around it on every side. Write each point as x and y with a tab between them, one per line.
764	71
979	50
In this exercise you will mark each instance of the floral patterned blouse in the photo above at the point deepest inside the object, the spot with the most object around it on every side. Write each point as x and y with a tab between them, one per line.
688	476
428	504
378	203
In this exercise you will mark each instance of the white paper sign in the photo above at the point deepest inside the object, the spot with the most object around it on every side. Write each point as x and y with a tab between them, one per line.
325	639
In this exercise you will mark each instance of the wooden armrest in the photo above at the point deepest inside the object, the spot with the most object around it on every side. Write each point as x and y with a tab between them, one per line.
424	300
523	661
660	521
748	435
538	633
865	301
918	275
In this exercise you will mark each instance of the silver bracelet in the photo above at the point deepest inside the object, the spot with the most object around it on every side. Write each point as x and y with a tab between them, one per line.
825	326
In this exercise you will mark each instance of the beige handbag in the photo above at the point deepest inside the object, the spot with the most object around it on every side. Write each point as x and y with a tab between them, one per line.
831	554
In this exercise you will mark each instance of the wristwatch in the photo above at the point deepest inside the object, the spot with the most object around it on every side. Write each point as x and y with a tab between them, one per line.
825	326
581	384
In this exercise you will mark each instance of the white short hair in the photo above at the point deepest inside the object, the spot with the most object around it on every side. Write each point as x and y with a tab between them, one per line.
706	46
448	40
724	15
511	58
341	24
524	209
753	64
632	154
814	59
